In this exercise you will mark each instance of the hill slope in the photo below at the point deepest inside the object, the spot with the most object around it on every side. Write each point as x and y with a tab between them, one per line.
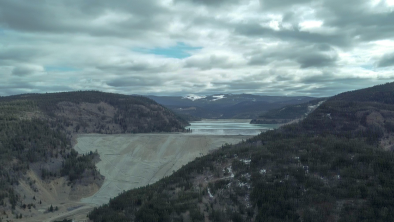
37	132
332	166
288	113
97	112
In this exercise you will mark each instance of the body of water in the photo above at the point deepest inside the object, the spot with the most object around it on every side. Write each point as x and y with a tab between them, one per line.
229	127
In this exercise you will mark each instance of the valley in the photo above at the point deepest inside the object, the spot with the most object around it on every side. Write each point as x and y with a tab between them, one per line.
146	163
129	161
335	164
135	160
197	111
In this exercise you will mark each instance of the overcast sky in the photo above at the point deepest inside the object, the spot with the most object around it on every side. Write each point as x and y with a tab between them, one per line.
181	47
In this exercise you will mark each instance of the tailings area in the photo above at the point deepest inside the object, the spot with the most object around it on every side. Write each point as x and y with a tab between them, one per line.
133	160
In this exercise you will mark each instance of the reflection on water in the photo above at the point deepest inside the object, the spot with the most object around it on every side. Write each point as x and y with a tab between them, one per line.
229	127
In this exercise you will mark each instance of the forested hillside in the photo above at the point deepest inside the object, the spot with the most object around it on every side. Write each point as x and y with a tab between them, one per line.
335	165
97	112
367	113
288	113
37	132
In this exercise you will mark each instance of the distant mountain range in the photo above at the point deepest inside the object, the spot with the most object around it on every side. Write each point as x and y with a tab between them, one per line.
226	106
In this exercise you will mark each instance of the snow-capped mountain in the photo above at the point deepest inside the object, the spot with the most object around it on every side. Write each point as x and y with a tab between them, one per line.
226	105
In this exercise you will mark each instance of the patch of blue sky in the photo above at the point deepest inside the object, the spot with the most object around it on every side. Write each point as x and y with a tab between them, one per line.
60	69
368	67
179	51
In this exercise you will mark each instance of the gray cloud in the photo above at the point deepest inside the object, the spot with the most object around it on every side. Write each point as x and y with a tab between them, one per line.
132	67
291	47
209	62
83	16
326	77
256	30
318	55
275	4
15	53
210	2
316	60
359	18
24	70
132	81
386	60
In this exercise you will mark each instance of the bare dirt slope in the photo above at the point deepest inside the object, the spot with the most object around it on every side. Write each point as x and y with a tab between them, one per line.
130	161
127	161
42	194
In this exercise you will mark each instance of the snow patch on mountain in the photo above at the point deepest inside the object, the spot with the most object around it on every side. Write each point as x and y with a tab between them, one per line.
194	97
218	97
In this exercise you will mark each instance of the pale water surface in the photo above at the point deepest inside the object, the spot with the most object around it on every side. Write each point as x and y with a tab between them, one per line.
229	127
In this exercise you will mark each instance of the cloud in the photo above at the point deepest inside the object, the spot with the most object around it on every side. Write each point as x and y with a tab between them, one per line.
177	47
126	68
99	18
17	53
386	60
364	20
307	56
180	51
316	60
209	62
273	4
132	81
210	2
24	70
256	30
